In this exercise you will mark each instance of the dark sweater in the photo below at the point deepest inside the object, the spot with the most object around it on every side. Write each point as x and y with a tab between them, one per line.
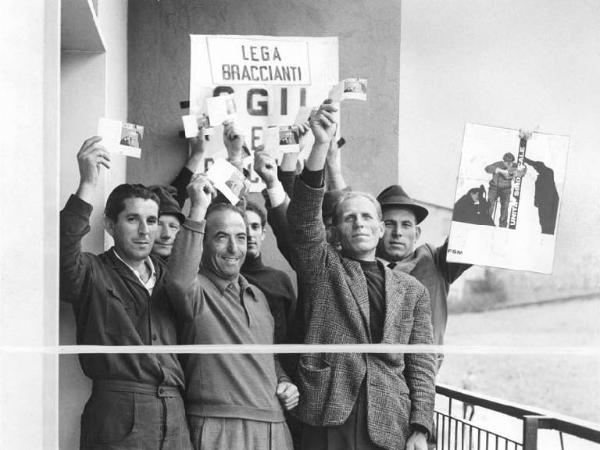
373	271
278	290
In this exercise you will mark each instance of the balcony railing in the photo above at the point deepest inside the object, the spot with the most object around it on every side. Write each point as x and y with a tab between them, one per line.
455	432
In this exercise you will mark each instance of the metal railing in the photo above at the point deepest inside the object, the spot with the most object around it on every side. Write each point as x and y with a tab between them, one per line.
455	432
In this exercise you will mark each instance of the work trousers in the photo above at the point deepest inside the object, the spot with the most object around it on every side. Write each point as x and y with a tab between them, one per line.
351	435
129	415
230	433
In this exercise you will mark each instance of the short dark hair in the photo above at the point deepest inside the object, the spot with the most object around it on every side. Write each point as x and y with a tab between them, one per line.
255	208
222	206
508	157
116	200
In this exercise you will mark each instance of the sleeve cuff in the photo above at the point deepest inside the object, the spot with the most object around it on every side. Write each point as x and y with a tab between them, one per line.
79	206
194	225
276	195
312	178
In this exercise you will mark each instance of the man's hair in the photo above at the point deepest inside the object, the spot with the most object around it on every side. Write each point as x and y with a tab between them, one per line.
116	200
354	194
222	206
251	206
508	157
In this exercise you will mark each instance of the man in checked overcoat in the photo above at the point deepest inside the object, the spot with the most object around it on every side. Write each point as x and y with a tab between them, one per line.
350	400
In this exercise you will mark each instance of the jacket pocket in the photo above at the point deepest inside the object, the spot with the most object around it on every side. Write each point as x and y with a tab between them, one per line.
313	363
118	316
108	418
315	377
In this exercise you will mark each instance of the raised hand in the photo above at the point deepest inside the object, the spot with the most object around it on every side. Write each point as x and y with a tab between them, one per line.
90	158
266	167
233	139
323	123
201	193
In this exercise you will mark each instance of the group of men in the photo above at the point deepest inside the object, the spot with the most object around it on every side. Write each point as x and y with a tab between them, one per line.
200	279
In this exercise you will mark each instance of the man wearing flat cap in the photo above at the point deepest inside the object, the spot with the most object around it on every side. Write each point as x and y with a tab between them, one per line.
398	250
170	219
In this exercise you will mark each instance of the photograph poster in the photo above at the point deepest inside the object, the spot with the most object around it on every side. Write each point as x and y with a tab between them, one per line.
507	198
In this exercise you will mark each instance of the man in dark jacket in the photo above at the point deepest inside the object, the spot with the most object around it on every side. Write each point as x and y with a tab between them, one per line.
350	400
275	284
546	196
118	299
398	250
473	208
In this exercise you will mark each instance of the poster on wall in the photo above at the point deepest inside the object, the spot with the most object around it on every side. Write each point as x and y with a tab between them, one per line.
508	198
270	79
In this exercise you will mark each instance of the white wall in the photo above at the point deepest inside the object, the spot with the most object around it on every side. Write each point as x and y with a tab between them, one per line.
510	63
93	86
29	48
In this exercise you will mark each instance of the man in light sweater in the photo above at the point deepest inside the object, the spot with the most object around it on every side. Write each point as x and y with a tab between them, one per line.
232	400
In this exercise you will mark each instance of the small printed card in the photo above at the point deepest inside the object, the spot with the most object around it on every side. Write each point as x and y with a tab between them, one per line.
193	123
289	139
271	143
349	89
228	180
220	109
121	138
303	114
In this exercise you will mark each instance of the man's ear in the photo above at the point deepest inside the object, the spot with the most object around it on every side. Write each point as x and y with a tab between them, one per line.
418	233
381	229
334	234
109	226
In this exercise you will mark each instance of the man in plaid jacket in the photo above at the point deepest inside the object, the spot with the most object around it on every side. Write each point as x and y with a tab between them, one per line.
352	400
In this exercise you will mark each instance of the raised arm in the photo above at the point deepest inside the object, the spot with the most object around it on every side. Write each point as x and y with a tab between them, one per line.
496	167
450	271
193	165
187	250
304	213
277	202
75	218
335	178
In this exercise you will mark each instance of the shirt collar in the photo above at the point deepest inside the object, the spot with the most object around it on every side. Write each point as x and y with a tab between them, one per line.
236	285
149	284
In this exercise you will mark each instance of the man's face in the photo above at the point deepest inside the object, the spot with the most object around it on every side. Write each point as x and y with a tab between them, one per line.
168	227
224	244
358	227
135	229
401	233
256	234
507	164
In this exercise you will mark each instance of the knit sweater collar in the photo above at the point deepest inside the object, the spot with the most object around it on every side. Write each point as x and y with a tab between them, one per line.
252	263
